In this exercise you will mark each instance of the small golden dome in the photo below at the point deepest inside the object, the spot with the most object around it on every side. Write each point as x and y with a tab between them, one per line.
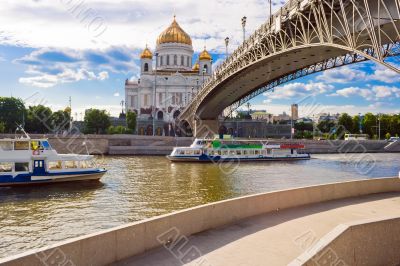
174	34
204	55
146	54
196	67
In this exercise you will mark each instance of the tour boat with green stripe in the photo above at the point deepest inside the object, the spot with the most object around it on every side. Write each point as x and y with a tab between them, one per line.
33	161
221	150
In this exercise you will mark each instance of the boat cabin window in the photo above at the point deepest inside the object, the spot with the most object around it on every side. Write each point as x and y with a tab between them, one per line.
197	152
256	152
40	145
5	167
238	152
188	152
180	152
21	145
70	164
225	152
83	164
46	145
91	164
22	167
245	152
54	165
38	164
6	145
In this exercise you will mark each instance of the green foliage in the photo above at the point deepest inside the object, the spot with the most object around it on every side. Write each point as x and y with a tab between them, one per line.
388	136
370	124
131	120
12	112
2	127
326	126
61	120
118	130
39	119
345	125
96	121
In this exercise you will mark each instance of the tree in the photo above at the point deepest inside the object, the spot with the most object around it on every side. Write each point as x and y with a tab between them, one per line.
387	136
356	125
96	121
370	123
346	121
325	126
61	120
131	120
2	127
39	119
12	112
118	130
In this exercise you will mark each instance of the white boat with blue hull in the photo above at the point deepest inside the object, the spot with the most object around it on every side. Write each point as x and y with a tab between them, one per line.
208	150
33	161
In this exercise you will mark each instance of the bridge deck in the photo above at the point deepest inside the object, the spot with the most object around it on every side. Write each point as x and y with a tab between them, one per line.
273	239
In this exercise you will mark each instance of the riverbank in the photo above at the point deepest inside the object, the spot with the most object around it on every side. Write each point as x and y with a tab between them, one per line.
160	145
302	225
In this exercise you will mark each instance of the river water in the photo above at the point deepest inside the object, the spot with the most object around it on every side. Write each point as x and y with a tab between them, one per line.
140	187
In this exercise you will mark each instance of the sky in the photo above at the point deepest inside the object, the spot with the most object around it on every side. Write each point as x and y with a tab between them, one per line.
51	50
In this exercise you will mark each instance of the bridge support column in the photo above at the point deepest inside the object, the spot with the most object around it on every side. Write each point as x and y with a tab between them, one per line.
204	128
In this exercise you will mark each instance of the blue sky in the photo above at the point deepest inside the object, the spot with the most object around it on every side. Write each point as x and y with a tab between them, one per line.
51	50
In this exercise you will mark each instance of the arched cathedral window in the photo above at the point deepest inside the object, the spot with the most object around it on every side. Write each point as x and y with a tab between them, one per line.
146	67
175	60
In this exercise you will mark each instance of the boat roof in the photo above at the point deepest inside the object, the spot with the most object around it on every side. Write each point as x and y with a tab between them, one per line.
23	139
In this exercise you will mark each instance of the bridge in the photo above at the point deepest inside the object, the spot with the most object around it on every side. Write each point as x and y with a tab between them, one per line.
302	38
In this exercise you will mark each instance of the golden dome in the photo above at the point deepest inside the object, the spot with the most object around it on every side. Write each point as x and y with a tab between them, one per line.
146	54
204	55
174	34
196	67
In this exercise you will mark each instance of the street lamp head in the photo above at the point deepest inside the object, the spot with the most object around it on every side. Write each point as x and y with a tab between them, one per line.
244	19
226	41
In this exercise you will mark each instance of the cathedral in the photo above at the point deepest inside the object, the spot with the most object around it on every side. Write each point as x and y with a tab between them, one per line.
168	81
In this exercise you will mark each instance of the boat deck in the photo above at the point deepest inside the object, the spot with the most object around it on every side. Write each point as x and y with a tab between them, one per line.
272	239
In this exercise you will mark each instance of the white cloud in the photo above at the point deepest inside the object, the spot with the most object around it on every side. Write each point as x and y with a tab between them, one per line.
344	74
298	89
126	22
103	75
376	93
67	76
384	74
116	94
386	91
354	91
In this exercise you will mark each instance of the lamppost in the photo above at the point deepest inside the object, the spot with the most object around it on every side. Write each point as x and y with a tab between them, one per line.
270	12
244	19
154	98
203	72
226	45
379	126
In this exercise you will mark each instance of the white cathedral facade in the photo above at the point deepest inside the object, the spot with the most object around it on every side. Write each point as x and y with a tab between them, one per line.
167	83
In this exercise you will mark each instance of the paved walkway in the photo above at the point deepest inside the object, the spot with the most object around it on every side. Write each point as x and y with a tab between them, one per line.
271	239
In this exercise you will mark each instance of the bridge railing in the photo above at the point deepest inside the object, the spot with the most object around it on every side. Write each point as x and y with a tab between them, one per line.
266	28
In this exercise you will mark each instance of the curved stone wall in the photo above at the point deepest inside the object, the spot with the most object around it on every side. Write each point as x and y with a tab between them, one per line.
132	239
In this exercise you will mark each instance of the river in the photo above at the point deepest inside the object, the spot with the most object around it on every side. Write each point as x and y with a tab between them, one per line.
140	187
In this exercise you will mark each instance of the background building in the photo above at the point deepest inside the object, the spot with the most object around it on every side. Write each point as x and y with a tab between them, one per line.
168	81
295	112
